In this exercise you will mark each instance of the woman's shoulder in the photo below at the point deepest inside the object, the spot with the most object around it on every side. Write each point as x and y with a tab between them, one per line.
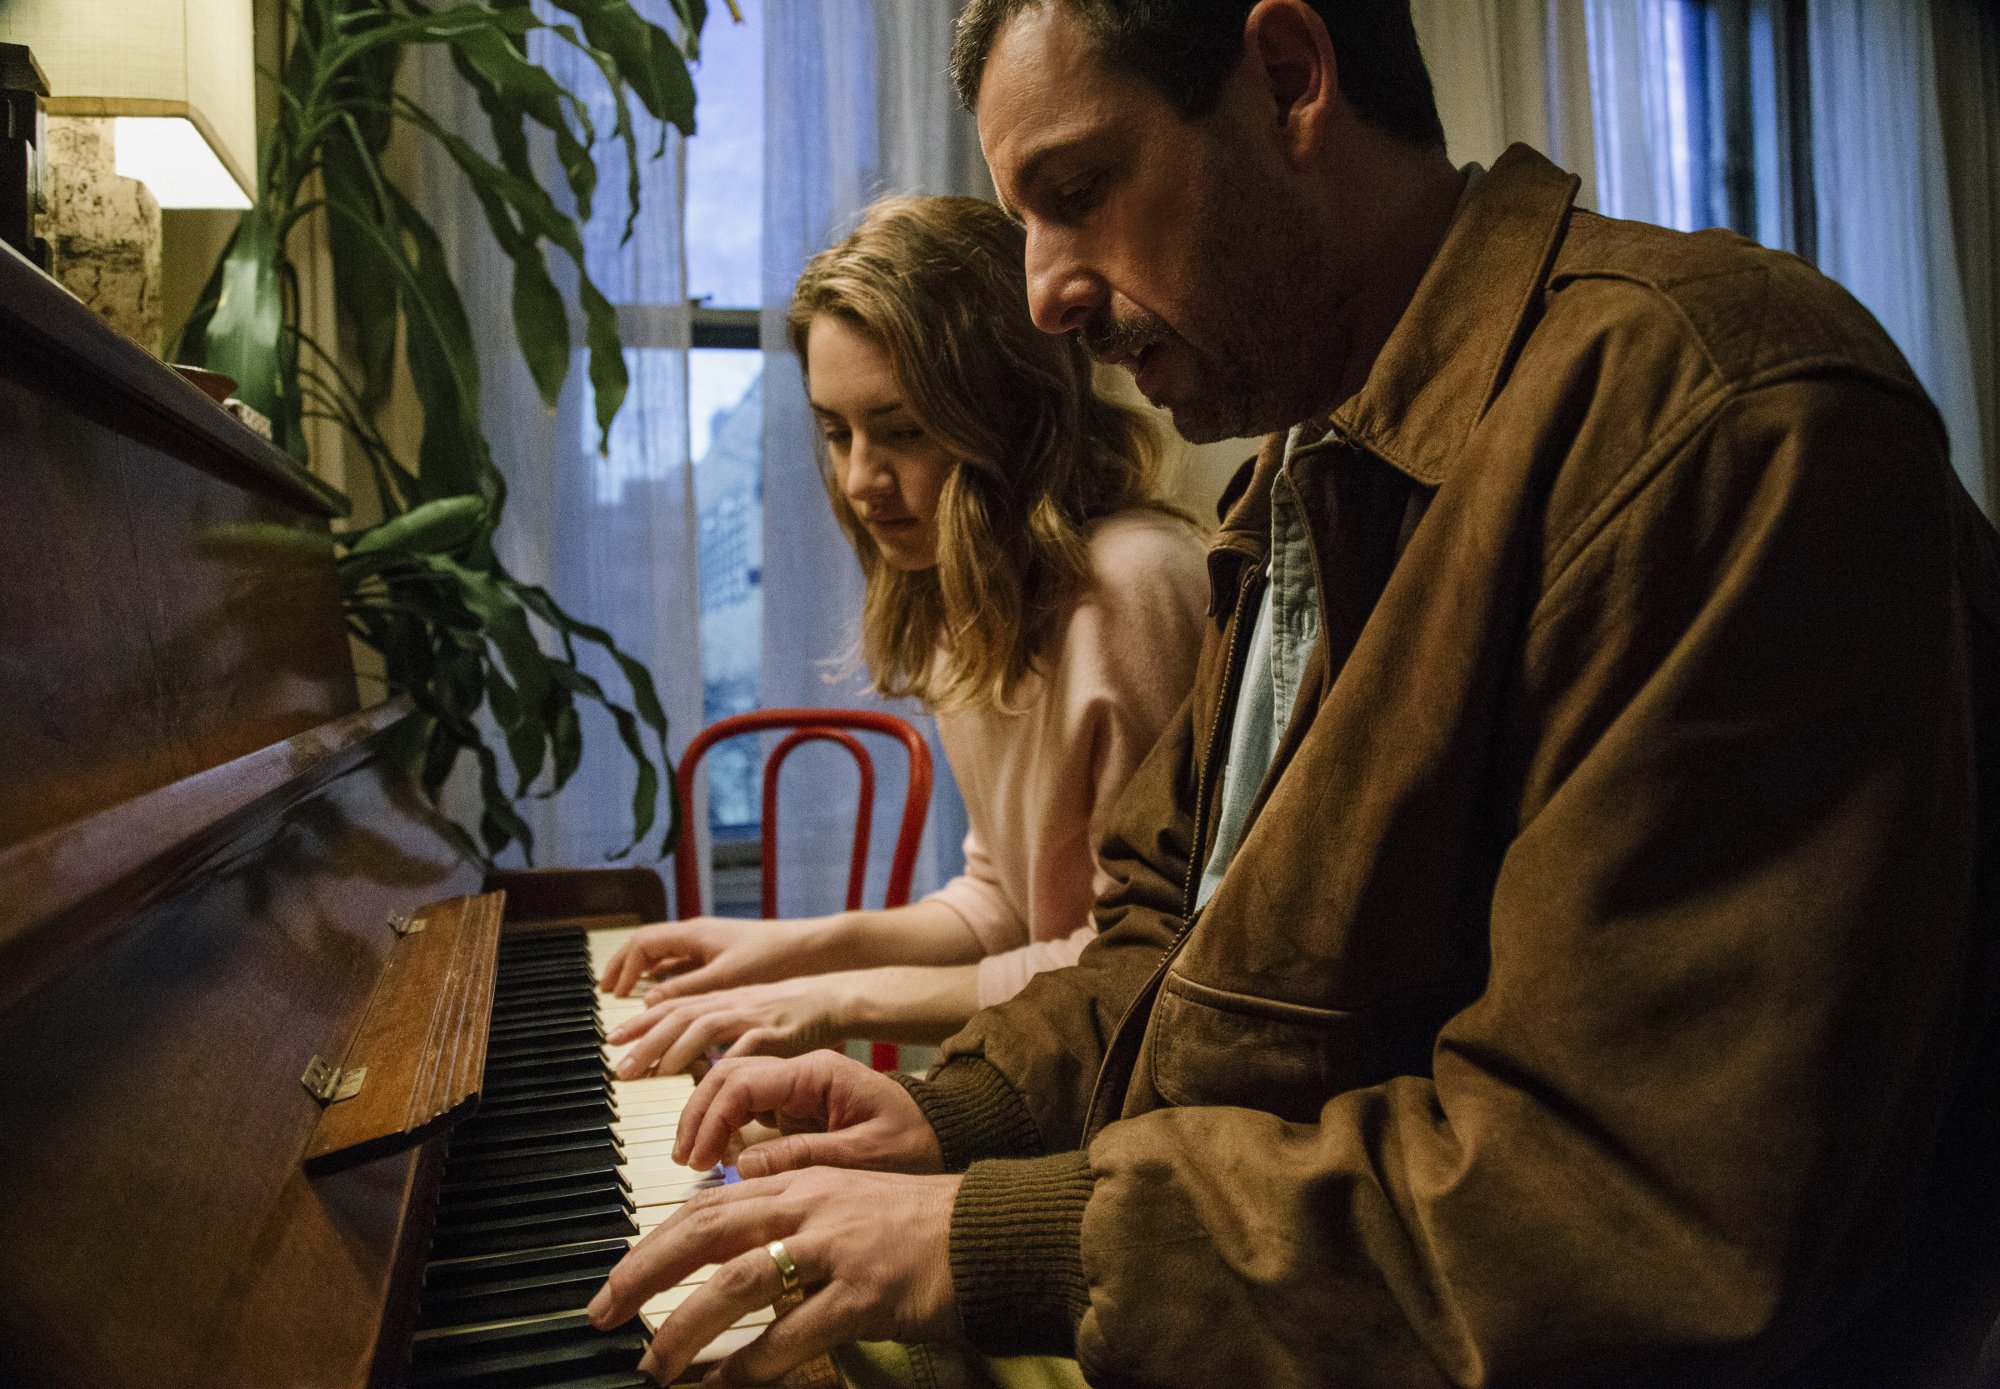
1132	637
1148	568
1129	547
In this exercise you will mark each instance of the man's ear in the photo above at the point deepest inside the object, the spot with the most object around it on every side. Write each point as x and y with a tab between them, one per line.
1290	55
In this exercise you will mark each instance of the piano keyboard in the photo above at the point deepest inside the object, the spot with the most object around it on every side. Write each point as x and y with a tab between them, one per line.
560	1170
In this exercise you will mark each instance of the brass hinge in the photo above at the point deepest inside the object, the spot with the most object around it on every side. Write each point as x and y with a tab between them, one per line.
406	925
328	1084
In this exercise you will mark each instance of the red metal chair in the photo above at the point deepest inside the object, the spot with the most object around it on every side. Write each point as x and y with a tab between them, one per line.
809	726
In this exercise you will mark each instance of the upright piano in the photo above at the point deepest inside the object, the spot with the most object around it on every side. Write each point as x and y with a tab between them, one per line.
266	1116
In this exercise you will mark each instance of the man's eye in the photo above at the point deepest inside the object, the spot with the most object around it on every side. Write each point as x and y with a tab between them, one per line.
1077	197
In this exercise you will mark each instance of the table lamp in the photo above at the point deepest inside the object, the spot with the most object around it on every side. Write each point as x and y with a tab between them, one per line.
158	91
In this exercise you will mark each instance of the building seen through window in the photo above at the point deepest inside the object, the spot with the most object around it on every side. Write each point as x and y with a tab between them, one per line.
725	185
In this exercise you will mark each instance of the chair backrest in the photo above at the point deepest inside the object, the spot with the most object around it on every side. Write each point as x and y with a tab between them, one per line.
812	725
809	726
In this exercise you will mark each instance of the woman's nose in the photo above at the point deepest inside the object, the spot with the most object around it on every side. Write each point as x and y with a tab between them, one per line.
868	474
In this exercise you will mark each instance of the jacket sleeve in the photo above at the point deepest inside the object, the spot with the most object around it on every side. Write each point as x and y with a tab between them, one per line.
1690	1113
1024	1069
1132	652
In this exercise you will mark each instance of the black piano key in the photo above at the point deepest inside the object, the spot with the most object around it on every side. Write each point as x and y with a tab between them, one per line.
533	1177
453	1273
568	1073
555	938
463	1190
534	992
442	1343
479	1203
543	1109
532	973
545	1061
526	1296
588	1086
566	981
576	995
576	1156
545	1011
538	1366
541	1015
534	1230
445	1345
567	1040
522	1028
529	1132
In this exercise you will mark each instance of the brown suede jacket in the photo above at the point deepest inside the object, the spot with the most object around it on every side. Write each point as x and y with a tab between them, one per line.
1603	993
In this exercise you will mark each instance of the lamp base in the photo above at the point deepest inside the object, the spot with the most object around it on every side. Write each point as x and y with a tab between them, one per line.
103	231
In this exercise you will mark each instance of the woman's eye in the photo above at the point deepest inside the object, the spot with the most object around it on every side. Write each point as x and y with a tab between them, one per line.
904	436
835	438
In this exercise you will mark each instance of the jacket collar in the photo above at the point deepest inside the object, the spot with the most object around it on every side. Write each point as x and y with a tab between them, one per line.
1452	349
1444	362
1244	536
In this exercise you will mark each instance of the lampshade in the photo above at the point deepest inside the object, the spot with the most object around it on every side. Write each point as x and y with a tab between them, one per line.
179	74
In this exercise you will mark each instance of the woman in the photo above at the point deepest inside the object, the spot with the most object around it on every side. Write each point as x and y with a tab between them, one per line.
1020	582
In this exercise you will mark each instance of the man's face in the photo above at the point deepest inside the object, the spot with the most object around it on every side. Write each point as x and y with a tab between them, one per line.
1170	247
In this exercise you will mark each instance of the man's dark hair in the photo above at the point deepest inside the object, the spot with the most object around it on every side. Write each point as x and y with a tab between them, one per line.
1185	48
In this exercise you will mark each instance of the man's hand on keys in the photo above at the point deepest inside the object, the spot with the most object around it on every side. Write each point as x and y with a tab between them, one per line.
871	1248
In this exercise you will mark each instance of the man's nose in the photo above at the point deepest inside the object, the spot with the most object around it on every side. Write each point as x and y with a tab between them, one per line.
1063	291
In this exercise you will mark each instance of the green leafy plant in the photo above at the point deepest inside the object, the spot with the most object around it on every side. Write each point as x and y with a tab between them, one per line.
424	587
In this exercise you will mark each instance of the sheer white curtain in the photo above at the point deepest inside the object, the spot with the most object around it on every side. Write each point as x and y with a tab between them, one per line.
857	103
1882	159
1507	71
1898	134
611	535
1645	110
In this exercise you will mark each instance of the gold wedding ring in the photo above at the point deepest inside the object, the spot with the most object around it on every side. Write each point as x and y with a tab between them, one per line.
788	1272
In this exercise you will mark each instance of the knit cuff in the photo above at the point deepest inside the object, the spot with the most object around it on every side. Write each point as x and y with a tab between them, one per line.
975	1112
1017	1254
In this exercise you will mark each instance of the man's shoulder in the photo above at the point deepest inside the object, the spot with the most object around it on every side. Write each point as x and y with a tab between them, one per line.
1748	315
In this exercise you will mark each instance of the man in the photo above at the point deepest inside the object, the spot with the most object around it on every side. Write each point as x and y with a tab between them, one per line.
1556	945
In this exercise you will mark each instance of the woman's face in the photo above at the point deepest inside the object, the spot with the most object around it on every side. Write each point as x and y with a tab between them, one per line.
884	461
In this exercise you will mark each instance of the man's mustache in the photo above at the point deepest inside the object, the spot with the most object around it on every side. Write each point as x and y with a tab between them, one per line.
1112	339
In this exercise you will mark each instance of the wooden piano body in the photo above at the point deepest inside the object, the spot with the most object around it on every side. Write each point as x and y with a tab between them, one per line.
202	849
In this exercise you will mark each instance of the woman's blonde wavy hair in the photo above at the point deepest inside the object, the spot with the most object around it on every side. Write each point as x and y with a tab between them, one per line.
940	283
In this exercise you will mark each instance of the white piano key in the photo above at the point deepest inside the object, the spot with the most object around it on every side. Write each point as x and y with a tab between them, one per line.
649	1110
650	1126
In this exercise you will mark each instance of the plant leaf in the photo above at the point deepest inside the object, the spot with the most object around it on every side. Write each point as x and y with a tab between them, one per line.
260	541
645	54
542	99
646	791
191	346
365	297
541	322
610	378
431	528
242	334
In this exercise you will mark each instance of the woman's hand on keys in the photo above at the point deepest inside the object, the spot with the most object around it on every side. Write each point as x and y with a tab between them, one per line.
783	1018
708	952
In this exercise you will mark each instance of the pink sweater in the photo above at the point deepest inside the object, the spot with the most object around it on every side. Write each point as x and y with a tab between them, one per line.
1039	781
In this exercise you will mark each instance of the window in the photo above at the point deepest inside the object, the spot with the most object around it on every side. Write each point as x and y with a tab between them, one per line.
725	185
